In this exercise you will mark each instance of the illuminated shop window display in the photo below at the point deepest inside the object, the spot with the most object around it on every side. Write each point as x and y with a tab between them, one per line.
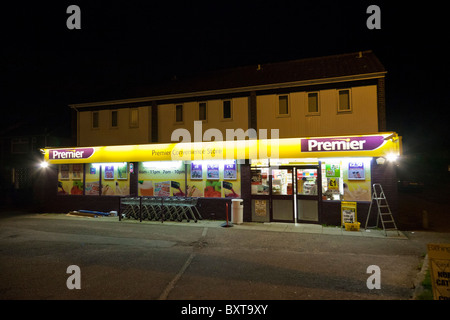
161	178
347	179
70	179
79	179
115	181
207	178
92	182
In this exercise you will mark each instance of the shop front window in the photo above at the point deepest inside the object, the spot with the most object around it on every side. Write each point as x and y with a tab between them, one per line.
70	179
92	179
282	181
307	181
210	179
260	181
115	179
347	179
213	179
332	180
161	178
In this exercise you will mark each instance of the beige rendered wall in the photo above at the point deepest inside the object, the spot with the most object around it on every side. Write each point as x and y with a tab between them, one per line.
362	119
121	135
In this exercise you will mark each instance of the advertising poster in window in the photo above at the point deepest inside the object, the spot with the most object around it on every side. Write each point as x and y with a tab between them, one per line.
115	180
332	170
333	184
221	187
64	172
195	189
108	172
213	189
162	189
92	180
70	179
212	172
229	171
77	171
161	179
356	170
356	189
196	171
229	189
122	171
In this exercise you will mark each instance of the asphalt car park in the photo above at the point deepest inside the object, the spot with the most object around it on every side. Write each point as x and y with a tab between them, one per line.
132	260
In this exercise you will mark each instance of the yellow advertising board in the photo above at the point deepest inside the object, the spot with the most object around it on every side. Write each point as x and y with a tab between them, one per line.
348	212
439	257
376	145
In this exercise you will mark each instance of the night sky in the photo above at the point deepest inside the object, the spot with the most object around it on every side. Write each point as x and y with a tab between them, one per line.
125	45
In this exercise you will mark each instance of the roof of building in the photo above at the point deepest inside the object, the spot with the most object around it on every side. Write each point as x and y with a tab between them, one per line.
257	77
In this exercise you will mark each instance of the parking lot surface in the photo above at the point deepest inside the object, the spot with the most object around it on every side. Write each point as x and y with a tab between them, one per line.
132	260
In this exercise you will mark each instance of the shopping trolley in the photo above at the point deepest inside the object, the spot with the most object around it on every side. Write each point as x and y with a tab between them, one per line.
130	208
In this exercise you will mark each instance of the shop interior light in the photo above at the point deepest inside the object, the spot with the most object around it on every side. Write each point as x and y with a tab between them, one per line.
115	164
162	164
219	162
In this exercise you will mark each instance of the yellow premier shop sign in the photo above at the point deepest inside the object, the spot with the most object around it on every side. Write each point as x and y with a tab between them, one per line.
376	145
439	257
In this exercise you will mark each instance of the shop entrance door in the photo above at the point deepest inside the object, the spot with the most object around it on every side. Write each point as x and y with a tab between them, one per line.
307	193
282	194
294	194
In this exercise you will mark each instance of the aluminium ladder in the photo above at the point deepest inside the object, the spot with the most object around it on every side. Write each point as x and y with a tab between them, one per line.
384	212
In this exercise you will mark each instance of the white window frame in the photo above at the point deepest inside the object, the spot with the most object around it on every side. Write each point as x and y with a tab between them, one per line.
349	100
316	113
283	115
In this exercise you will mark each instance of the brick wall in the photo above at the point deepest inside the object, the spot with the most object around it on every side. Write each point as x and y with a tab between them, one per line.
386	176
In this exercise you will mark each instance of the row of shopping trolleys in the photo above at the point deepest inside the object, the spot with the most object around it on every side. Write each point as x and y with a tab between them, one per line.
159	208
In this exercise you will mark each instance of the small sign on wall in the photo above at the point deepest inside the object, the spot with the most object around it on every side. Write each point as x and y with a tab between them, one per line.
261	208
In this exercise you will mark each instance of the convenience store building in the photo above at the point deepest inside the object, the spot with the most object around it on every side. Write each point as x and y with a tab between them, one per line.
325	115
285	180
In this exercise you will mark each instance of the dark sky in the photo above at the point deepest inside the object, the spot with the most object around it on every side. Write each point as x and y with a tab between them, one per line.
122	45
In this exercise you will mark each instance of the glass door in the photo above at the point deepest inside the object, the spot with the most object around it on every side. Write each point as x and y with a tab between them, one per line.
282	194
307	179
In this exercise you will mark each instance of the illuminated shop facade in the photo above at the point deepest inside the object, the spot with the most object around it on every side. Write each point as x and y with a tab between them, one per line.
296	180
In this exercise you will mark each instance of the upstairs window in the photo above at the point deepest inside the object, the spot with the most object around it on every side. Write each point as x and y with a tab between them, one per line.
283	105
313	103
226	109
202	111
134	118
344	101
179	113
114	118
95	119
